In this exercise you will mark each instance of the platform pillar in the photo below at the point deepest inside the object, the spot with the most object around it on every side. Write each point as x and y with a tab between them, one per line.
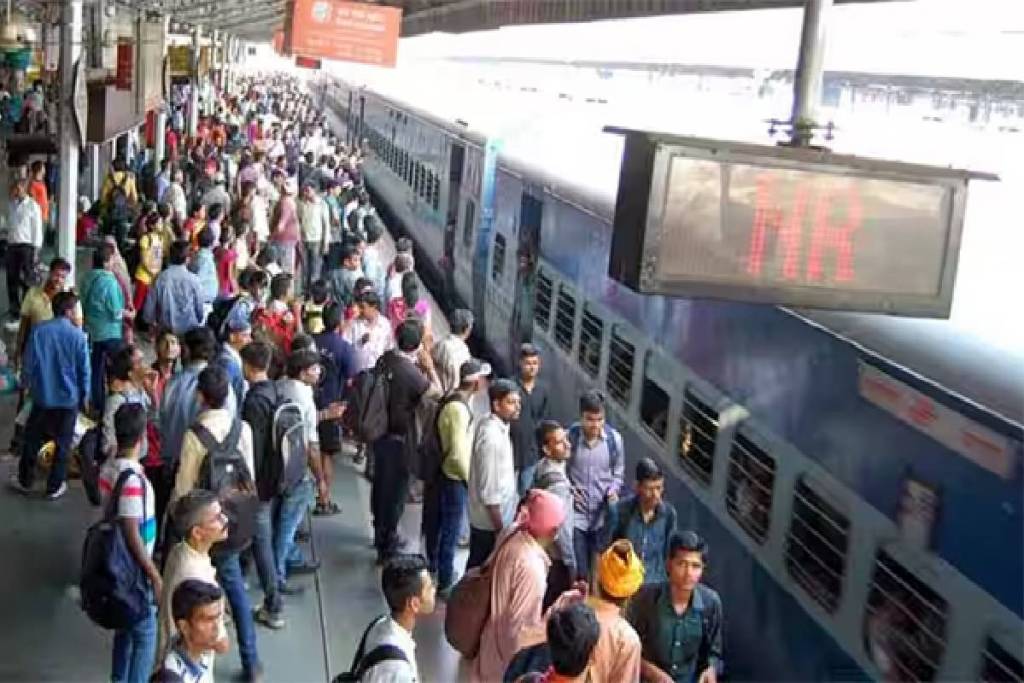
193	104
809	71
159	136
67	192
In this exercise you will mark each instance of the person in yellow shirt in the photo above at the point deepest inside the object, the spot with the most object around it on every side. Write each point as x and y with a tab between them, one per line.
151	258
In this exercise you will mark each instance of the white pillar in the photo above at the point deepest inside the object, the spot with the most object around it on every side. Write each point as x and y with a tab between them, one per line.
94	171
159	136
193	105
70	49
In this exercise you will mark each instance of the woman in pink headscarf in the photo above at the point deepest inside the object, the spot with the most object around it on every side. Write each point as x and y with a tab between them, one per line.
517	586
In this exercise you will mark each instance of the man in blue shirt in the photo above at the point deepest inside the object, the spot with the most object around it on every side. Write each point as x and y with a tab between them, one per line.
646	520
239	336
339	367
56	370
175	302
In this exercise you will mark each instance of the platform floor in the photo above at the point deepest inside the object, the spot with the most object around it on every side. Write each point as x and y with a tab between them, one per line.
46	637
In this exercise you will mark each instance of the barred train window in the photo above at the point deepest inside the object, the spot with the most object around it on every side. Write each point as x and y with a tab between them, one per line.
748	492
653	404
904	623
437	194
999	666
467	226
591	334
542	304
698	429
498	258
816	546
621	354
565	319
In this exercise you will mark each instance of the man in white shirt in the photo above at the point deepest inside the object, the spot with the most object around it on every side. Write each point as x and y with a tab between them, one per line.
450	353
409	592
315	226
492	479
24	239
370	334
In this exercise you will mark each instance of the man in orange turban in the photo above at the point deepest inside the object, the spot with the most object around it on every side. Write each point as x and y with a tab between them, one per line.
617	655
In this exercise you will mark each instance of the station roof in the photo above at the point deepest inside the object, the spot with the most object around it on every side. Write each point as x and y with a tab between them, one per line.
257	20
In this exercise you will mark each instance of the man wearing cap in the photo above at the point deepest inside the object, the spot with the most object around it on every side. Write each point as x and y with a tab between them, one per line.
230	358
620	573
451	352
454	422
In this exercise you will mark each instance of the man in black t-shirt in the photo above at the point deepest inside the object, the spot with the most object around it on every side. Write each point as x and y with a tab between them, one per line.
412	379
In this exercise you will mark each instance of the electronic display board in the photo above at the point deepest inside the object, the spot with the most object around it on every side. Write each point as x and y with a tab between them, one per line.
789	226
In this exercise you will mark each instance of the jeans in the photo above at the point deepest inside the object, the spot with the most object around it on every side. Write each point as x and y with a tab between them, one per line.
290	507
101	351
586	545
454	495
263	553
229	576
20	259
481	543
43	425
134	651
431	523
313	262
524	479
388	492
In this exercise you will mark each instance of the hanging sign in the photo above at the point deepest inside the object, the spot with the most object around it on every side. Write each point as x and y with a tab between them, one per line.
80	100
345	31
307	62
179	58
125	66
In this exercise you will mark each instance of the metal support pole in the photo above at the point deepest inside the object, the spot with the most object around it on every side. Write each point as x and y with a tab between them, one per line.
224	39
193	105
809	71
159	135
94	171
70	49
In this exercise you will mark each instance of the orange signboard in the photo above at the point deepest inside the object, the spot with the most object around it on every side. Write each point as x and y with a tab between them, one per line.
346	31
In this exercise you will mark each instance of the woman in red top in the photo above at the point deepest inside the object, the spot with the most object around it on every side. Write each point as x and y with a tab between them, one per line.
37	188
227	257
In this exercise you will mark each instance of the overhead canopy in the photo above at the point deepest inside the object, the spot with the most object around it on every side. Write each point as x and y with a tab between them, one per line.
257	19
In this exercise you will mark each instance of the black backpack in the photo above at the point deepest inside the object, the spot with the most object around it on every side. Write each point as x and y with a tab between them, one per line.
225	472
371	391
218	318
120	206
114	588
364	661
430	448
289	443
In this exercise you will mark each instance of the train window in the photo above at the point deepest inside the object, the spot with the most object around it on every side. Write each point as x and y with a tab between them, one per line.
698	429
621	354
437	194
816	546
565	319
467	225
999	666
904	623
591	333
748	492
428	185
498	258
417	174
542	304
653	404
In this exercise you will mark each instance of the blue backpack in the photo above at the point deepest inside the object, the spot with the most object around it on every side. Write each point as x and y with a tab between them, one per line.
614	456
114	587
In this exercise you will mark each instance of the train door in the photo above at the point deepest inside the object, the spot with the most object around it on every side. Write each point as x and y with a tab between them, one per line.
349	122
531	214
455	168
359	124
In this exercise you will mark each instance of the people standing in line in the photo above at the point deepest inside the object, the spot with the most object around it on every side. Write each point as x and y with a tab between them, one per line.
103	305
596	466
57	373
410	593
181	406
412	375
492	485
620	573
134	648
213	391
197	608
680	621
645	519
24	240
534	396
551	477
455	438
175	302
518	580
339	368
201	523
451	352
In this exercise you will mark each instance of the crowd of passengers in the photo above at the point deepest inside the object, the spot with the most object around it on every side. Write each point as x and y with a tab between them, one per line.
249	260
